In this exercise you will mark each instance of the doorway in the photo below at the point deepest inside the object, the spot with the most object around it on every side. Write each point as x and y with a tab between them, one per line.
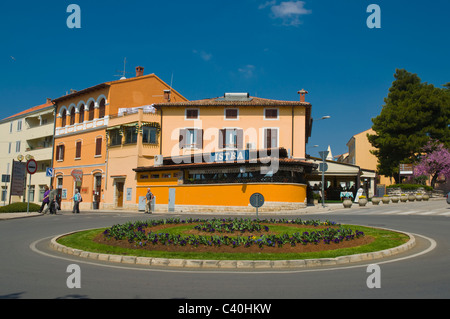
119	194
97	191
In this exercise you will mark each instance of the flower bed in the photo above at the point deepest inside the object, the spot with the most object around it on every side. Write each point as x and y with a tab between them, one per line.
240	233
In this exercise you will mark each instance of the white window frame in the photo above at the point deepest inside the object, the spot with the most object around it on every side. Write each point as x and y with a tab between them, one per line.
272	119
230	119
191	109
265	137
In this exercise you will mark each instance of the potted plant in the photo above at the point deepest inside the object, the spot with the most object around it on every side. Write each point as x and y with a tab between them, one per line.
395	199
403	198
419	197
425	197
386	199
347	202
362	201
411	197
316	198
375	200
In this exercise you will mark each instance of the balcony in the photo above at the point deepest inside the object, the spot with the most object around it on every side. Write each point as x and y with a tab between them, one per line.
77	127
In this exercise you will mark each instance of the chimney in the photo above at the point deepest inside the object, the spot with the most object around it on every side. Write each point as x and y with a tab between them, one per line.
49	100
139	71
302	93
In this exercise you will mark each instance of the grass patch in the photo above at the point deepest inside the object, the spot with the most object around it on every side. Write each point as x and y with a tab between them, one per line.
384	239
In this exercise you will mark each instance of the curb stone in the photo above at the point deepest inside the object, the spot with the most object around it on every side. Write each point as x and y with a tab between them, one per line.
232	264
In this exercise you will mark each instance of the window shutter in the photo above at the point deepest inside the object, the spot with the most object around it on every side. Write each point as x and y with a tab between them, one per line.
274	141
199	141
98	146
182	138
240	139
268	138
57	151
222	138
78	150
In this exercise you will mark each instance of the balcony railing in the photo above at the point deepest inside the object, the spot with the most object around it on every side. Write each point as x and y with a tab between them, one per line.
82	126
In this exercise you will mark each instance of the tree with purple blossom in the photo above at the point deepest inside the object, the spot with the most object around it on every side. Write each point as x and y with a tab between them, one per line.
434	162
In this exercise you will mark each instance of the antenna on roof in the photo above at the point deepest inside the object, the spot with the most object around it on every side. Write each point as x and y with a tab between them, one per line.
122	76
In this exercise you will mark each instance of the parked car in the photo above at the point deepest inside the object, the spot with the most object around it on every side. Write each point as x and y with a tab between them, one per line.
448	198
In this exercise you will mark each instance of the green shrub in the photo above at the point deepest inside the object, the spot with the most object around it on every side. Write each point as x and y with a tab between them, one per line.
19	208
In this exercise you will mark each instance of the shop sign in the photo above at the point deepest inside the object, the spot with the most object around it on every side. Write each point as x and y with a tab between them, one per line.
230	156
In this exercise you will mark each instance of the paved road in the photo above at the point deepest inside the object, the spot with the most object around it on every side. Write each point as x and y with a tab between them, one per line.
28	269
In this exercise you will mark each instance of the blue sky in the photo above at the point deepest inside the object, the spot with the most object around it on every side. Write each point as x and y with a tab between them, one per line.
269	48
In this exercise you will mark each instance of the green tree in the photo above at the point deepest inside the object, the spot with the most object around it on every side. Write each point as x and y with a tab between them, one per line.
413	113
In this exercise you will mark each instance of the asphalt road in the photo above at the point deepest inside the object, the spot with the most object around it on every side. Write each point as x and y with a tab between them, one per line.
30	270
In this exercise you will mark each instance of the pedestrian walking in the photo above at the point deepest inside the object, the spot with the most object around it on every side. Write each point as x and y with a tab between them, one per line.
148	204
52	198
45	200
76	202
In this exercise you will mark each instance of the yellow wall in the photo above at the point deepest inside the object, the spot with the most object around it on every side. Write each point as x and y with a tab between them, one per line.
219	194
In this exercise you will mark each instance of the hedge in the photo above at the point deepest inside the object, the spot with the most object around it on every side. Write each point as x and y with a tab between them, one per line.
19	208
411	187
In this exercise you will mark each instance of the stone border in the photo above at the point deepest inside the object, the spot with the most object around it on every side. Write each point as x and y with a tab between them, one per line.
233	264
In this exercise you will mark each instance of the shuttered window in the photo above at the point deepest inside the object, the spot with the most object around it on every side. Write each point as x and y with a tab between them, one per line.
78	150
98	146
231	138
191	138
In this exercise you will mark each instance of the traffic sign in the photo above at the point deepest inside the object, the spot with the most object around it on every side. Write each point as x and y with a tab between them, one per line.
257	200
77	174
31	166
49	172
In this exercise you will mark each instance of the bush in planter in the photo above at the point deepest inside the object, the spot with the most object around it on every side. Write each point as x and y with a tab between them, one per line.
404	198
386	199
362	201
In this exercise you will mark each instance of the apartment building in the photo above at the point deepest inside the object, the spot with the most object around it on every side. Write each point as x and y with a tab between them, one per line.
25	135
96	139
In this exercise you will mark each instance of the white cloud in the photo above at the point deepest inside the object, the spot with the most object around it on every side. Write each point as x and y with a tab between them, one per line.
203	55
288	11
247	71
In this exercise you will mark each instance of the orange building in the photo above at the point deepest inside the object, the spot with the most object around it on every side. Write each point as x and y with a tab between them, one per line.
82	158
218	152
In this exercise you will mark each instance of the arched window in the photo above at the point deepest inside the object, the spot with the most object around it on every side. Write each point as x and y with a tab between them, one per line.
63	118
101	110
81	116
91	111
72	116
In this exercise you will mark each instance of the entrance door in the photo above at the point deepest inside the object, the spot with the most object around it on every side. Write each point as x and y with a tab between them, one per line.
97	191
119	190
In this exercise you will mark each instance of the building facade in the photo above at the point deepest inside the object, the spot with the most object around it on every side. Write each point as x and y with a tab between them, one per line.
88	154
28	134
217	152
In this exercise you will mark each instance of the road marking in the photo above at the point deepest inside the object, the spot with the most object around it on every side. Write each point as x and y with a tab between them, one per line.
390	212
408	212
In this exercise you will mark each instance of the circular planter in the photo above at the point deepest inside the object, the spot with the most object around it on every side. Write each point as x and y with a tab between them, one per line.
395	199
404	198
362	201
386	200
347	203
419	198
425	197
411	198
375	200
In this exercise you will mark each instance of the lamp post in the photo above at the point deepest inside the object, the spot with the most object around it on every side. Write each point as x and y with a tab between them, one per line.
323	167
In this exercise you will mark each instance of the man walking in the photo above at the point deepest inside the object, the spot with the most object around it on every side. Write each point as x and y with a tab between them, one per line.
76	202
148	204
52	196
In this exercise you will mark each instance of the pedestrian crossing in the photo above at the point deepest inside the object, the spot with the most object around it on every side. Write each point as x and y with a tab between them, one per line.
405	211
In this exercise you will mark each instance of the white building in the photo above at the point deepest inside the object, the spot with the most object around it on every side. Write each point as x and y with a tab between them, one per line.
24	135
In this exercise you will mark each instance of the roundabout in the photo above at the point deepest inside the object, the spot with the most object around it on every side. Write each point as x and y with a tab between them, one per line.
266	244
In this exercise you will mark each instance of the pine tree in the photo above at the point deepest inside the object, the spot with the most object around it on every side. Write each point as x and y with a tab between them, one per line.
413	113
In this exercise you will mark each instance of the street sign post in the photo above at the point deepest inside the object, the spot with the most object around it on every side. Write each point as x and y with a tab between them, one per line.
323	168
49	172
31	169
257	200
